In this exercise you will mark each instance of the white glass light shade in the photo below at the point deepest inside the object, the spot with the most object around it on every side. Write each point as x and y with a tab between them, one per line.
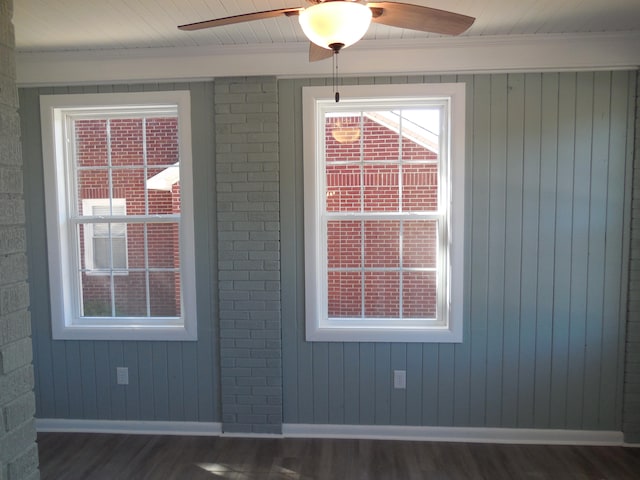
340	22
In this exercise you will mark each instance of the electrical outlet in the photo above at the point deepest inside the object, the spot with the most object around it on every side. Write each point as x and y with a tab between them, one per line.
400	379
122	375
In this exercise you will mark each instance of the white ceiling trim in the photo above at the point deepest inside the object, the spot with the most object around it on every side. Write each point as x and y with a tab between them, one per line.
513	53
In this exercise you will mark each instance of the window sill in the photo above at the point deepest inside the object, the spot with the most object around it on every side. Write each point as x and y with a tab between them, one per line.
129	332
430	334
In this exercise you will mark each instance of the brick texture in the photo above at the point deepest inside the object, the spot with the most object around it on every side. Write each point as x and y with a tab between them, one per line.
18	451
125	147
631	410
378	170
247	176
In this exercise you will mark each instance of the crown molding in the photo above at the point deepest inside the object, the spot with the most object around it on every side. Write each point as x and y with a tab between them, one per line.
480	54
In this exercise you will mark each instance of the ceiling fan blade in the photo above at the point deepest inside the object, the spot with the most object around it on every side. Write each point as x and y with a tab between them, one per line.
317	53
246	17
416	17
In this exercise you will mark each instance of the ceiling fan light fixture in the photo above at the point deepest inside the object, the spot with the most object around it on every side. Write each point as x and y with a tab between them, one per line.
335	23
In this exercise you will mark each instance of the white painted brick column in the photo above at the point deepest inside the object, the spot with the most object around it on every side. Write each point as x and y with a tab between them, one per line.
18	451
247	182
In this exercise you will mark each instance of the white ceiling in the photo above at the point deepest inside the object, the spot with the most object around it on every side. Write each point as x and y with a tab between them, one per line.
95	41
50	25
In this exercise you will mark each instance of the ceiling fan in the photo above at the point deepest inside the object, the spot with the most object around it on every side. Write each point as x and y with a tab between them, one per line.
331	25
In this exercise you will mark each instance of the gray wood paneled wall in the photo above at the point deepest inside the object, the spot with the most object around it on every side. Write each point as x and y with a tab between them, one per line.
548	162
549	158
173	381
631	413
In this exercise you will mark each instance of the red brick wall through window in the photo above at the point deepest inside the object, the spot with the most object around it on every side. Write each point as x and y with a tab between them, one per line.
115	158
380	268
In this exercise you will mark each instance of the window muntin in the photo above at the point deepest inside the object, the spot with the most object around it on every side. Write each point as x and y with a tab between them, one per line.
122	243
378	215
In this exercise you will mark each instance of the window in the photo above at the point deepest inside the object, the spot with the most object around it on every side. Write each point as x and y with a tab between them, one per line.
384	200
120	215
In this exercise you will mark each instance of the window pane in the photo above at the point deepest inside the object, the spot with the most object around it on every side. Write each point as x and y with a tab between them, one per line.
126	142
414	151
419	187
342	137
96	295
381	141
162	140
163	244
128	183
103	249
164	290
163	189
91	143
344	244
420	134
92	184
344	188
101	253
381	189
382	294
382	244
136	245
419	295
131	294
164	202
419	243
345	294
119	247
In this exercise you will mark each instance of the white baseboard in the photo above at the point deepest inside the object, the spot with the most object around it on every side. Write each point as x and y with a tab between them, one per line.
252	435
130	427
456	434
372	432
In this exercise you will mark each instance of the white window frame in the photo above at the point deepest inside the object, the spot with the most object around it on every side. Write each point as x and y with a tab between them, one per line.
448	326
89	257
63	255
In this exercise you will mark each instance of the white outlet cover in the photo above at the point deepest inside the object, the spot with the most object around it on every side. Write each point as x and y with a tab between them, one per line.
400	379
122	375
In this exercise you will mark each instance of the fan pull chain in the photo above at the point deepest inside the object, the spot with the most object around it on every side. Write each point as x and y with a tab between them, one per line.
336	47
335	77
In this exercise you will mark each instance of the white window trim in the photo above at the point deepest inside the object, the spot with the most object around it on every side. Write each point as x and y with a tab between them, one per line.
67	323
318	100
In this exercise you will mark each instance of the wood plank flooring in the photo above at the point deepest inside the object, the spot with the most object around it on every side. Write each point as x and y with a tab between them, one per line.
66	456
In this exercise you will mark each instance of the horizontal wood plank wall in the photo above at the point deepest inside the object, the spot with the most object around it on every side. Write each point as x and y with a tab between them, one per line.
546	255
173	381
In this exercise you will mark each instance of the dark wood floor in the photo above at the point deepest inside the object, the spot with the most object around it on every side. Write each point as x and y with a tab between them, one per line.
123	457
